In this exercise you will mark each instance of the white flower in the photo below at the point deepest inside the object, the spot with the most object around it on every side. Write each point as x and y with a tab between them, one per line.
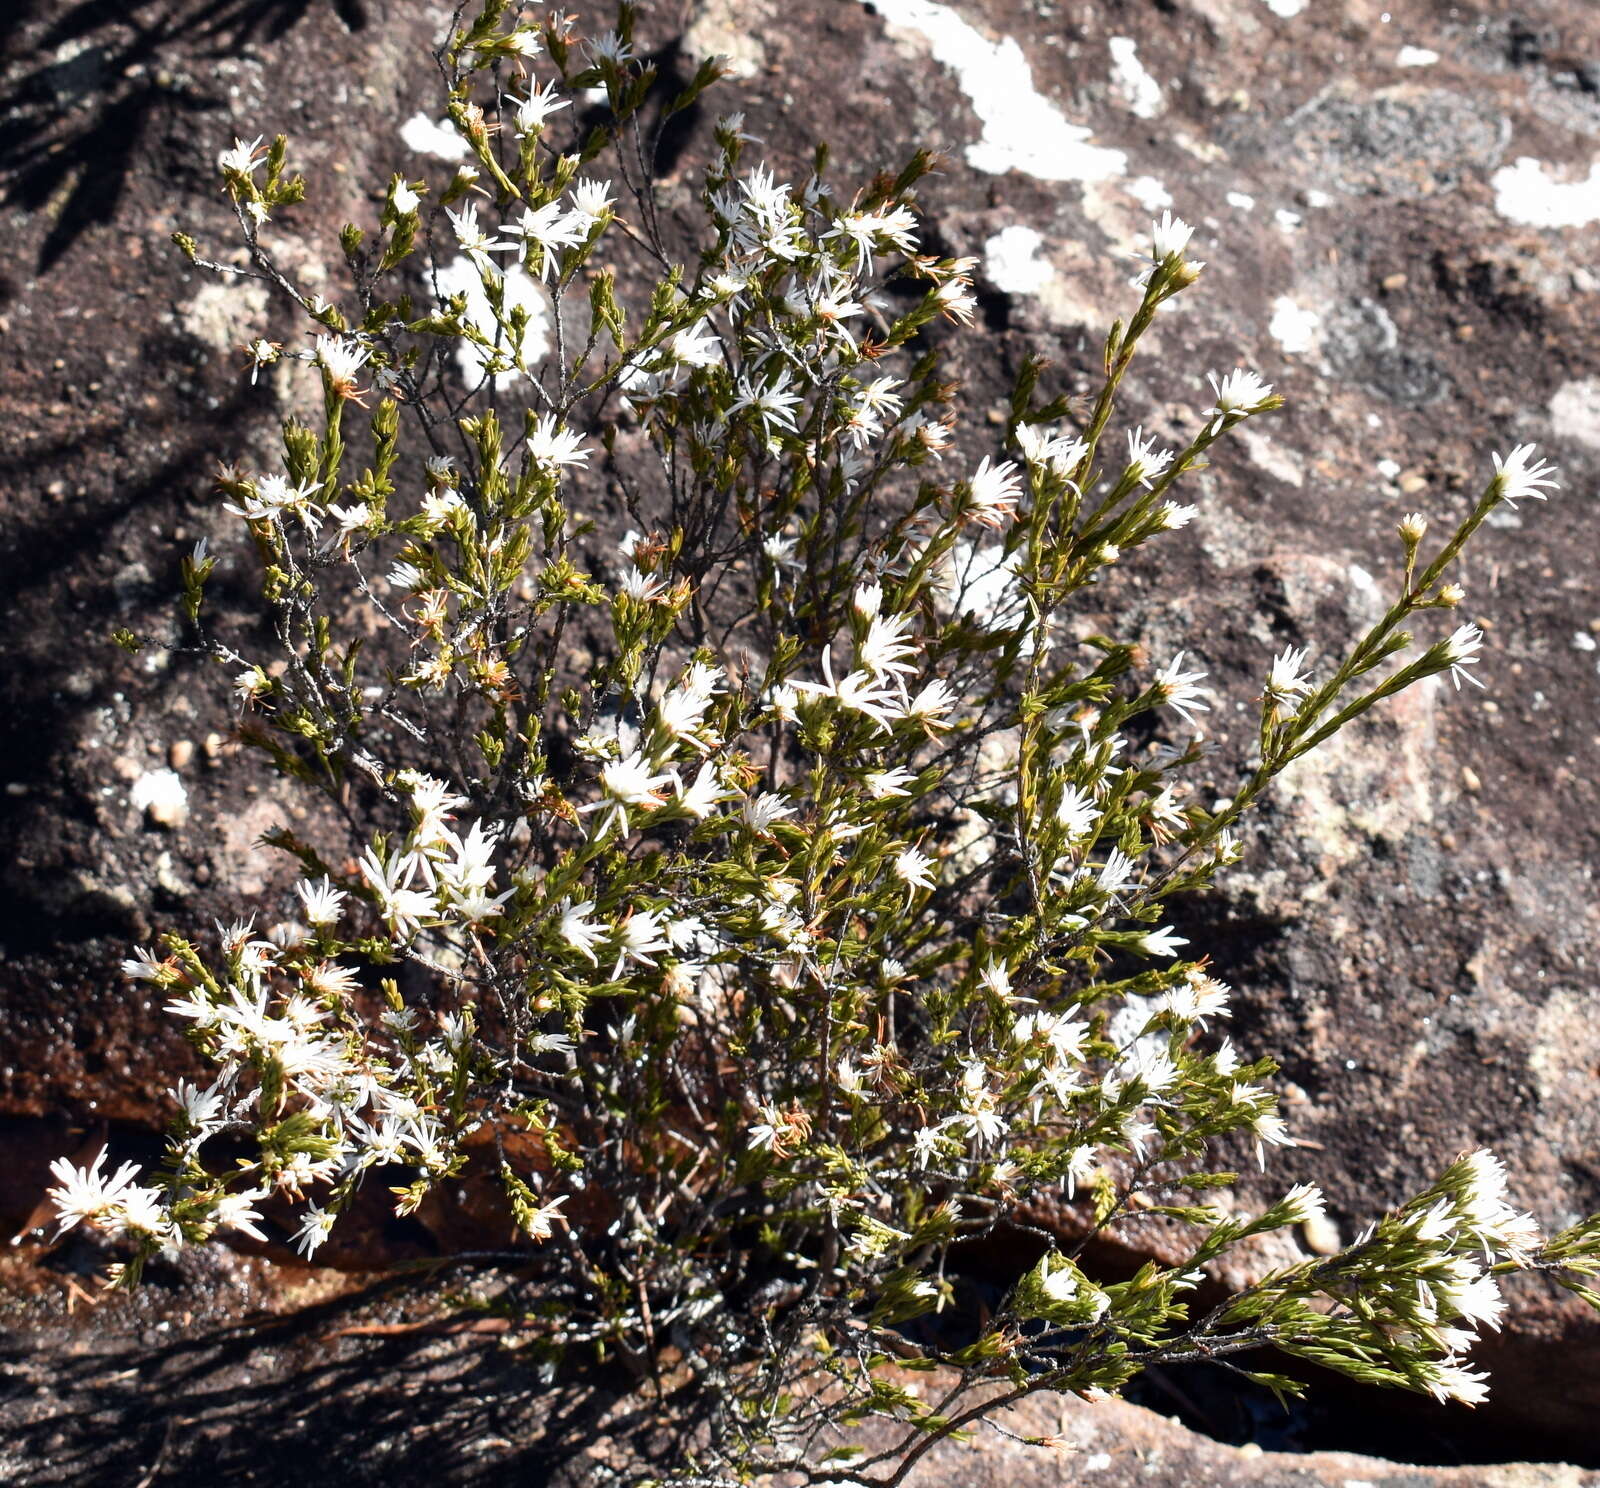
315	1225
783	700
1173	516
1145	461
591	199
1460	651
539	1223
610	47
1169	236
1238	392
432	802
705	793
932	703
1076	812
262	353
955	300
1450	1379
772	405
884	783
402	907
146	966
858	690
1303	1204
869	231
764	1133
695	347
1081	1166
550	229
237	1211
242	157
994	490
868	599
139	1213
915	869
1519	475
553	445
761	811
579	931
1477	1299
996	979
641	586
1059	1285
321	900
347	521
639	937
1040	446
88	1193
272	495
1160	942
1268	1127
1197	998
402	198
1288	678
341	360
1180	691
884	649
779	550
629	781
532	111
475	242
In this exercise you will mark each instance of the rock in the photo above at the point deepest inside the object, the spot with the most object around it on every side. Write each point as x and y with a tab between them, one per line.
1413	935
162	798
1118	1445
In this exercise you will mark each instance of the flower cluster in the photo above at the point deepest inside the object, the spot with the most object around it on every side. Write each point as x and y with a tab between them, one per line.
763	875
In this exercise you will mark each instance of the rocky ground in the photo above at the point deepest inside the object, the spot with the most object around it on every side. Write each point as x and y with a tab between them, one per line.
1400	209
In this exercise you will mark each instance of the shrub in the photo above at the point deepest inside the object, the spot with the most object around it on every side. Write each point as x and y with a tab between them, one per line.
777	898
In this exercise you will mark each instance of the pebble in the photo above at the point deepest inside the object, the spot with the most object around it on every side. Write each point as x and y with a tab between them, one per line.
1469	778
180	753
1393	282
1321	1235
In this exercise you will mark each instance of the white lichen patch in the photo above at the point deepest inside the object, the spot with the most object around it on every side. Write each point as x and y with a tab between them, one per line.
1410	56
1012	263
1266	453
1293	327
1529	193
427	137
723	28
1575	412
225	313
521	292
1142	91
1149	193
1022	130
